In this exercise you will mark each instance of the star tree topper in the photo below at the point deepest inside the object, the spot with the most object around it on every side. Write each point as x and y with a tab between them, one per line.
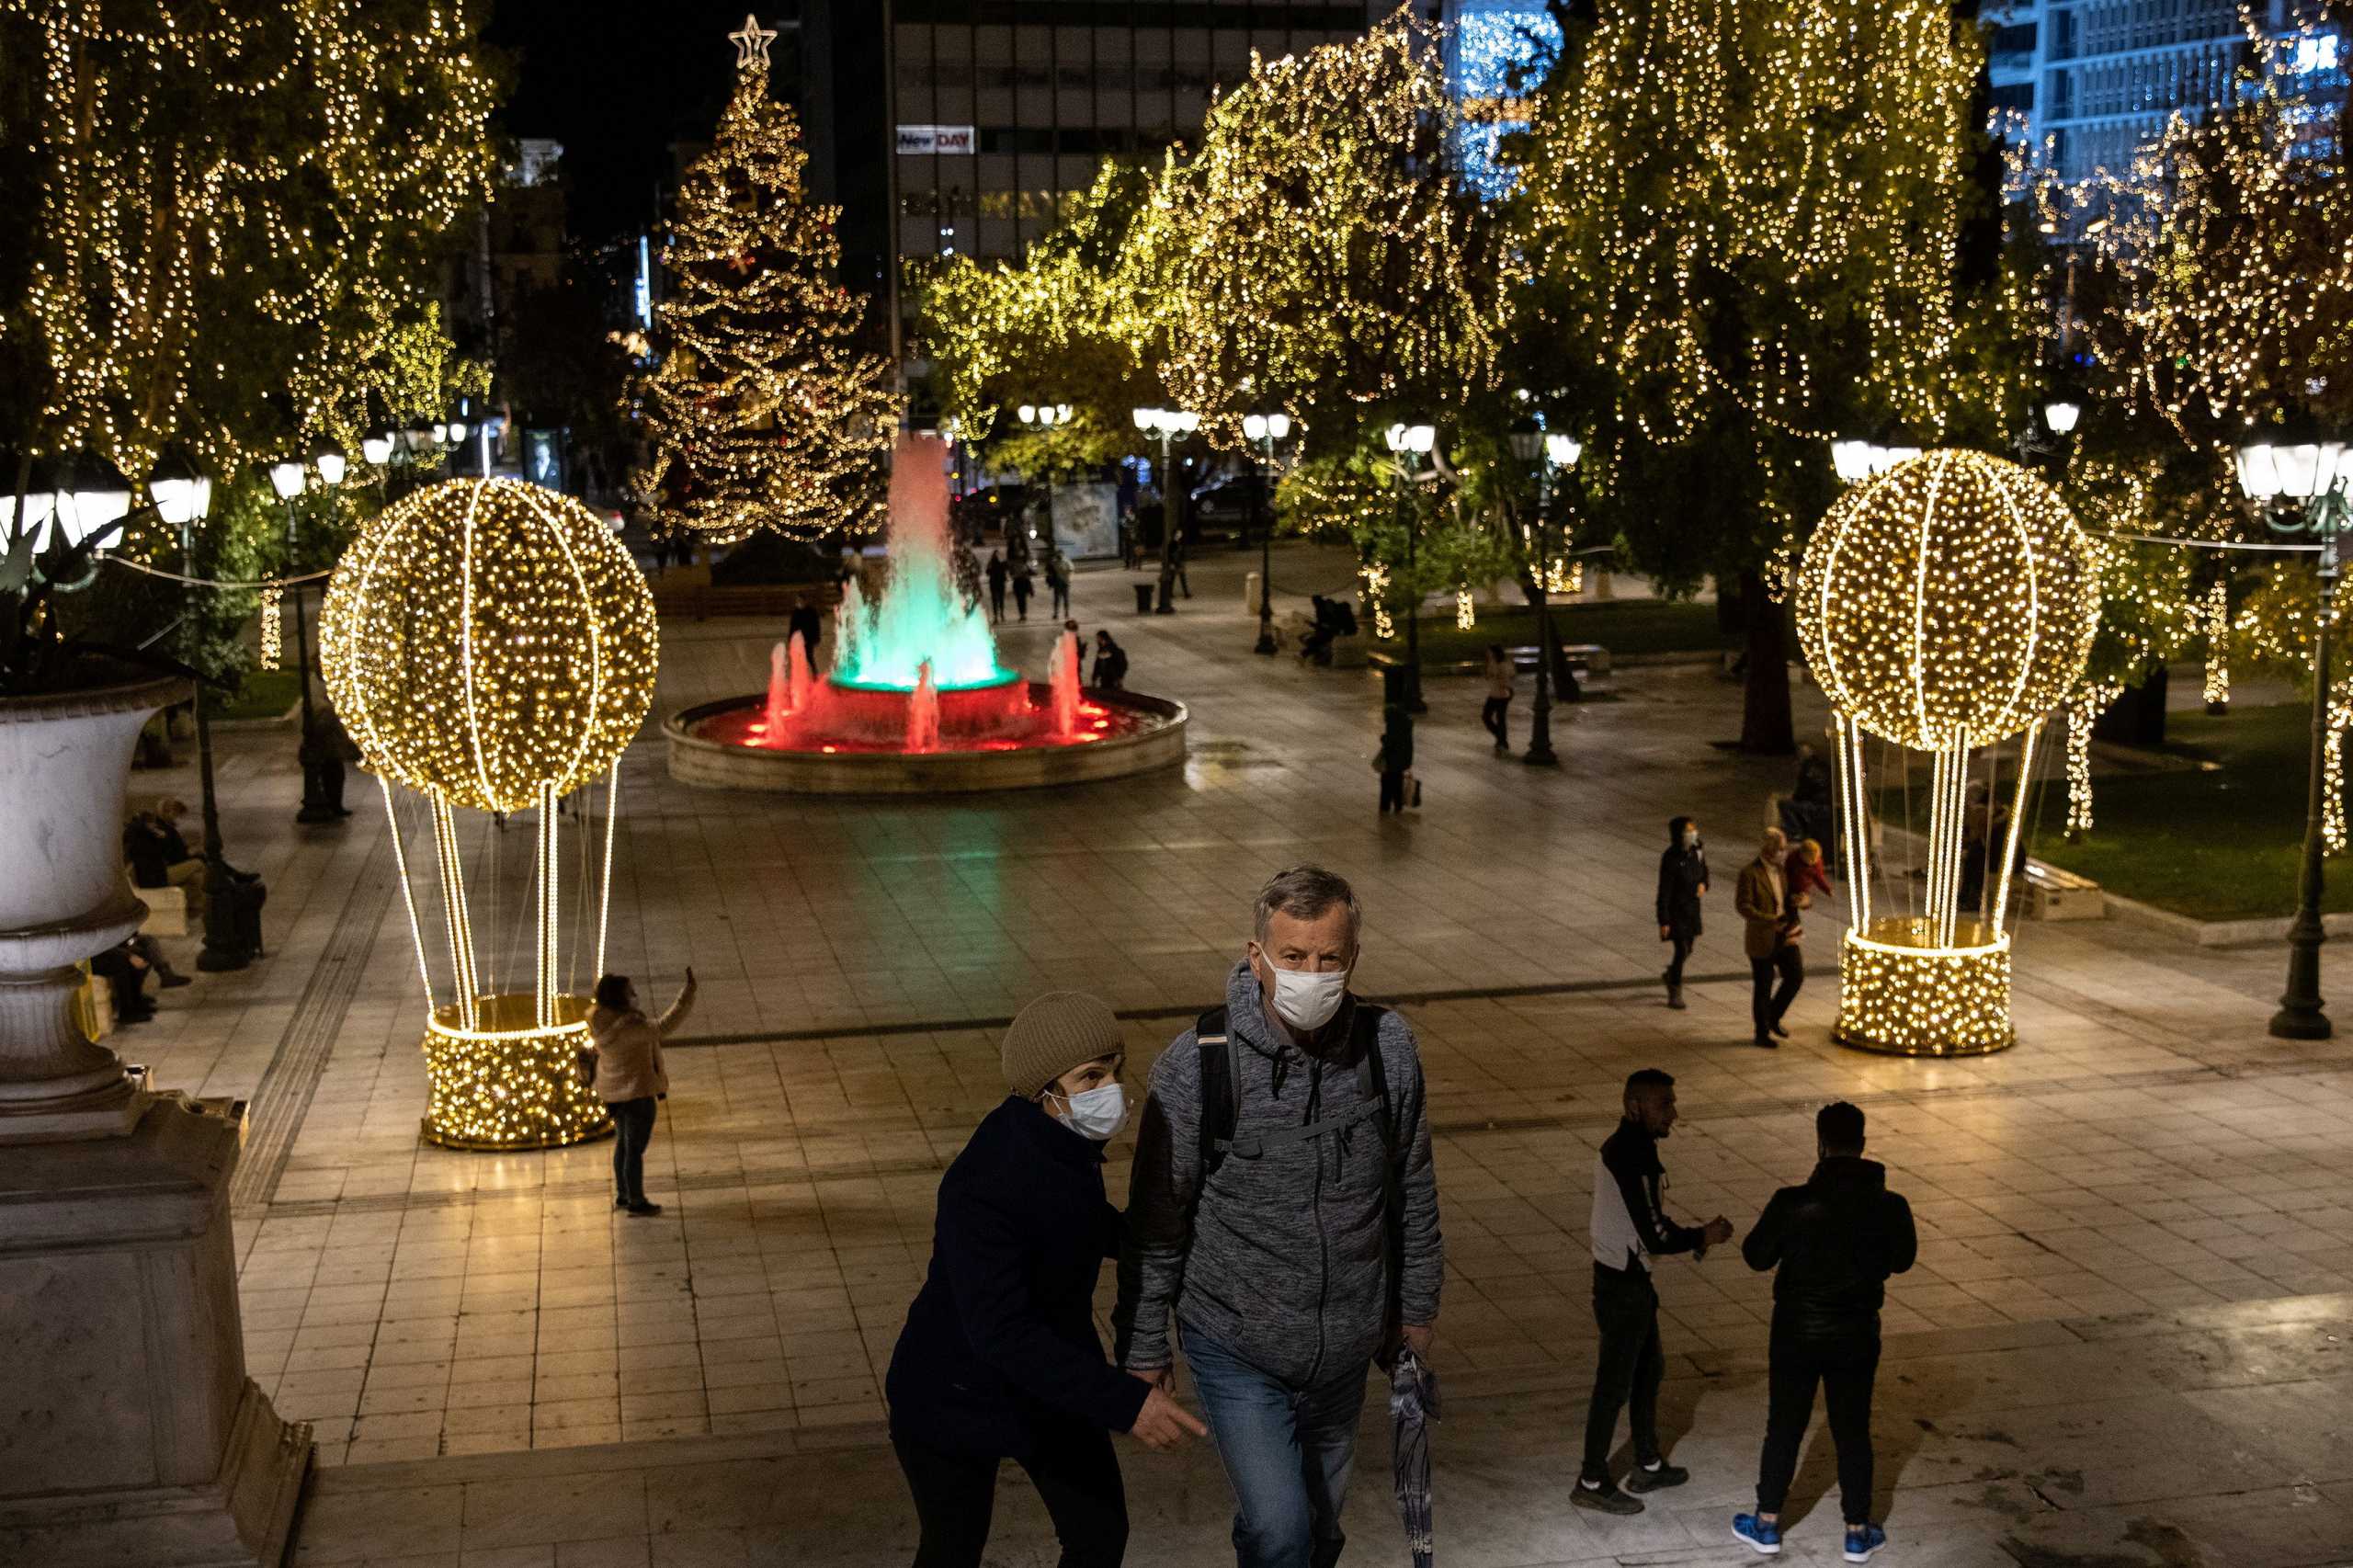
752	43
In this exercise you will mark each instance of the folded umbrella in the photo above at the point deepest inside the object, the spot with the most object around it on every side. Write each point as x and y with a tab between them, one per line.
1413	1406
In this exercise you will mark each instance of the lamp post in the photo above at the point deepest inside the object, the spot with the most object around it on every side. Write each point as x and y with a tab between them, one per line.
1265	430
1045	416
1548	450
1410	443
2313	476
1167	424
182	497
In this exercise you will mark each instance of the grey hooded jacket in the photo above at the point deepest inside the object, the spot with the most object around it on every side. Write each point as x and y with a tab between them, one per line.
1279	1259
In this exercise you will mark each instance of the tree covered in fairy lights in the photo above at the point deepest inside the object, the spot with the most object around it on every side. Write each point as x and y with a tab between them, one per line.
1060	325
767	410
1745	229
231	219
1317	252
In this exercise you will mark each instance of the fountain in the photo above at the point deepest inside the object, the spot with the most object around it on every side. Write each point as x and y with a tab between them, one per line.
915	700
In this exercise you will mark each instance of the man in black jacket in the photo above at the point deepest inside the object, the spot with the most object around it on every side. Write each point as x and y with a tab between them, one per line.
1836	1240
1682	880
1629	1228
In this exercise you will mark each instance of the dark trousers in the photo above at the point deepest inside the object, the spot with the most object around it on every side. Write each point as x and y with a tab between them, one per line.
1061	599
997	601
1625	1305
1767	1002
1680	947
1075	1472
1392	791
632	1131
1021	599
1496	716
1844	1369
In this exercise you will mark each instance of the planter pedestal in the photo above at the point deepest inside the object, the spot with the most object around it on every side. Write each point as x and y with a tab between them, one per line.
129	1431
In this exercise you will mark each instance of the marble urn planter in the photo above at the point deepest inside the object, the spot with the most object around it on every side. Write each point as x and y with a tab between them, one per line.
64	761
129	1431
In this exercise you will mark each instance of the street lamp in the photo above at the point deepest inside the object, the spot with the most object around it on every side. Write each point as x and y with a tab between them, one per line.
1265	430
2061	413
1045	416
2313	476
1858	460
1548	450
286	478
1167	424
1409	443
183	497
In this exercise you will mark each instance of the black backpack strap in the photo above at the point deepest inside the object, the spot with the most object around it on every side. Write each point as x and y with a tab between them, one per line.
1373	1083
1220	1073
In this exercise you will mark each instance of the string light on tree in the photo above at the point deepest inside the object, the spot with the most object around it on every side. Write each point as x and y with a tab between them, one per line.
1945	605
272	628
490	645
765	410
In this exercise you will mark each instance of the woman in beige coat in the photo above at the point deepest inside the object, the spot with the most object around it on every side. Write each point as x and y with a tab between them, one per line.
630	1077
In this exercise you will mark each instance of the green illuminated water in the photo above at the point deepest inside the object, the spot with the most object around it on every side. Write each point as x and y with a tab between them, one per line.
919	616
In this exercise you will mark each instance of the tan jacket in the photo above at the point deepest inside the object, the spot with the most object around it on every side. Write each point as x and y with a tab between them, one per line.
1762	900
629	1049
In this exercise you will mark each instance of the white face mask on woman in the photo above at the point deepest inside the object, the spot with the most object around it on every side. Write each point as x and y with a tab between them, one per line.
1097	1113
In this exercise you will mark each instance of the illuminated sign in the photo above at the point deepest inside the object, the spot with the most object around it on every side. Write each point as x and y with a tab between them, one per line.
948	139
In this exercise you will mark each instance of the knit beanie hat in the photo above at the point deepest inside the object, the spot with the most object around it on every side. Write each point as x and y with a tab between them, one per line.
1060	1030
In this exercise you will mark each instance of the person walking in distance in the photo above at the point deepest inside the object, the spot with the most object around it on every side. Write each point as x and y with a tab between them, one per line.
626	1046
1496	714
1394	760
996	572
1682	882
1058	580
999	1357
1629	1228
1763	901
1285	1212
1021	589
1835	1241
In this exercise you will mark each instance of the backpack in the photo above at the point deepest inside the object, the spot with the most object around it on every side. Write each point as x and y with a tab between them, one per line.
1221	1069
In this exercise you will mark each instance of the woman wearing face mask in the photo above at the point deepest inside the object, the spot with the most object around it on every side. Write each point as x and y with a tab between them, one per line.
999	1359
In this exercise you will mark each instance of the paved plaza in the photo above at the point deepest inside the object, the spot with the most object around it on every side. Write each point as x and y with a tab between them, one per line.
2125	1342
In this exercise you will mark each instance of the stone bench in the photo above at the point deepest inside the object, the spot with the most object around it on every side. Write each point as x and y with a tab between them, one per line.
166	910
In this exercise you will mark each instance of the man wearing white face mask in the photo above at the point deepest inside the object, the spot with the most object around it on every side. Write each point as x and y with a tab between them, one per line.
999	1359
1284	1212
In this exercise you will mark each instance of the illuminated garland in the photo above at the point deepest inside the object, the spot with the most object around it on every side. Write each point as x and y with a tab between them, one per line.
482	639
272	625
1795	172
491	645
1947	603
1317	250
765	412
2218	643
237	199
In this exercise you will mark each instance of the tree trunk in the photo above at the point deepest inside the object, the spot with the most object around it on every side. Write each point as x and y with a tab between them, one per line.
1765	724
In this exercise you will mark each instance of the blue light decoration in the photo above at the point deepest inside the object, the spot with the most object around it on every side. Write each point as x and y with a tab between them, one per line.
1496	51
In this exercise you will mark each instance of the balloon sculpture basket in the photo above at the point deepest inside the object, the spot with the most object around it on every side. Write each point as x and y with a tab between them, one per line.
1902	993
506	1081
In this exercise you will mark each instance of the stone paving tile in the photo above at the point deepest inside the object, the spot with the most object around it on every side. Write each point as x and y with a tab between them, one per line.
2146	1149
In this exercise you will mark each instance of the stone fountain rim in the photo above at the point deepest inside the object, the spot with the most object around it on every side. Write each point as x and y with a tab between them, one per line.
893	772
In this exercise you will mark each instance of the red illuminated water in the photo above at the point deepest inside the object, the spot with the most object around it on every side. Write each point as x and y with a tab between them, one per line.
1011	716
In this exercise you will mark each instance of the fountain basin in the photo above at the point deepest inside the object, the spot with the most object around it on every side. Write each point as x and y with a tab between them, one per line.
722	745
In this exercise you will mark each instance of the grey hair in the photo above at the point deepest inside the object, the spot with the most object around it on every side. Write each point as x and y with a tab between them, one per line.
1306	893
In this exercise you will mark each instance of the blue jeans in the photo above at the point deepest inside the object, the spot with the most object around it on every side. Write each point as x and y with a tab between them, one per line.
1286	1453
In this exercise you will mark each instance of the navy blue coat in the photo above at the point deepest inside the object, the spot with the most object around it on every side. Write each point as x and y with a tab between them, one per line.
1002	1335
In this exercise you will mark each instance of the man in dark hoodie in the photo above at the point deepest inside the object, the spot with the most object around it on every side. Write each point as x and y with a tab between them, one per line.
1285	1208
1836	1240
1682	880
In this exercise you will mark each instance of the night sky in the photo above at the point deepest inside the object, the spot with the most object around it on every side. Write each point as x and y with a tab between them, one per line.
615	81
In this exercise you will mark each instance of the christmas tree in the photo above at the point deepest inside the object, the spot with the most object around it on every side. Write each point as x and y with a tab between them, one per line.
765	412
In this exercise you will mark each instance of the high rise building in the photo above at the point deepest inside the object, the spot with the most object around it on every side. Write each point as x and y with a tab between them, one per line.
2088	83
968	126
1496	55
